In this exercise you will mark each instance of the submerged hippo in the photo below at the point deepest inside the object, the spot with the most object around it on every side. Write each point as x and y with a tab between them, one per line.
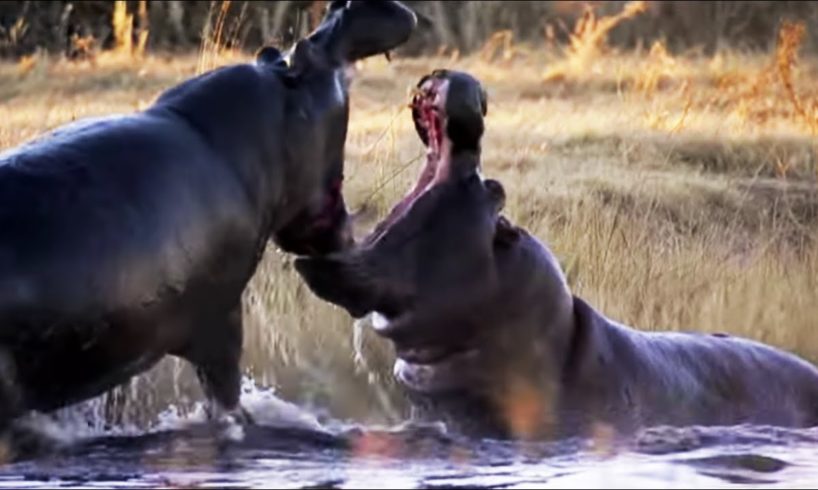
489	336
127	238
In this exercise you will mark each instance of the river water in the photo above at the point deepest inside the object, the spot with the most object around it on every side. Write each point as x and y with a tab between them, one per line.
290	448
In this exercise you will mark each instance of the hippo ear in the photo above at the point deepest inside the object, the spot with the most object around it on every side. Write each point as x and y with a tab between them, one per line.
268	55
339	281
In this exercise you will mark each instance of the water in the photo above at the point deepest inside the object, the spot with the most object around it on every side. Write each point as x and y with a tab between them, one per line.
292	448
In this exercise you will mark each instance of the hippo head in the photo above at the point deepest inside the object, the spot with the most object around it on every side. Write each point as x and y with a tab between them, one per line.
350	30
477	309
356	29
454	285
432	260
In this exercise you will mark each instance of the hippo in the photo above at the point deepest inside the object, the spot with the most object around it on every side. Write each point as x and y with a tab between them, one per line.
490	339
128	238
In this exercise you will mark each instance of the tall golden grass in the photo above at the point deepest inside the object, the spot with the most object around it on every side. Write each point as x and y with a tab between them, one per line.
122	23
679	192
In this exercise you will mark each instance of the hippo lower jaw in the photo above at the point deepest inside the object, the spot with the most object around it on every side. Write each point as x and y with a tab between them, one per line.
452	373
431	369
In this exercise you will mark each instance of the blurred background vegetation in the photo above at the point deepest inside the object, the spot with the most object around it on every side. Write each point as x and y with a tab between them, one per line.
80	28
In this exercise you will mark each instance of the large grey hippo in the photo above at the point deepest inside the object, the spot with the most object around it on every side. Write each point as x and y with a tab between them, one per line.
127	238
489	336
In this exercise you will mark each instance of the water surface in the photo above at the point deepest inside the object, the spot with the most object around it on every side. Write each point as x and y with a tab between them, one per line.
289	448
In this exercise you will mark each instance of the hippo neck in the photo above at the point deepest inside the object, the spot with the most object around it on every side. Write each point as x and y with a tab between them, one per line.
548	306
592	392
525	352
540	328
234	109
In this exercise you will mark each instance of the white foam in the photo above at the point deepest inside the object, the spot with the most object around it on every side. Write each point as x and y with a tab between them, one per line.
358	344
73	424
268	409
379	321
261	403
86	420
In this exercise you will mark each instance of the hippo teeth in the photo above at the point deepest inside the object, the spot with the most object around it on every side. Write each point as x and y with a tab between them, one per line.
457	370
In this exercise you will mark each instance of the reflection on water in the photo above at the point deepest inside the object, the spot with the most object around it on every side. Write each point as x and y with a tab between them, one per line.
290	448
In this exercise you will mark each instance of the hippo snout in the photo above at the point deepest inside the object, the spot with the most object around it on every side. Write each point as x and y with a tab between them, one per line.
377	27
359	29
339	279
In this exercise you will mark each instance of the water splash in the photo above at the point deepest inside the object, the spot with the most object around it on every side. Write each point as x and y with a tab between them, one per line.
88	420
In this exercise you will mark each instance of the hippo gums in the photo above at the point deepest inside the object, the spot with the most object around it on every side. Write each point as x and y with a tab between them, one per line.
490	338
124	239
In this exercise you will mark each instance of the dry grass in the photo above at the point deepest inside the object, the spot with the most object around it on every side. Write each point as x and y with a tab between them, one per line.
679	193
122	23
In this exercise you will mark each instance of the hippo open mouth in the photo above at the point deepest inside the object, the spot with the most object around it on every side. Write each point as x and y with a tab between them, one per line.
447	110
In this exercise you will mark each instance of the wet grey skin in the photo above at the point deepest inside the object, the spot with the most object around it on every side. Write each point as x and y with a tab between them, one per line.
127	238
490	339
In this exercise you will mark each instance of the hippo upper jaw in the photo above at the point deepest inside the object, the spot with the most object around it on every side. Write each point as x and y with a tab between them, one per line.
447	110
357	29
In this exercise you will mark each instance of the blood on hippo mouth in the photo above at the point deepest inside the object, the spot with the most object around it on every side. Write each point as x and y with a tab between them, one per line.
428	107
428	112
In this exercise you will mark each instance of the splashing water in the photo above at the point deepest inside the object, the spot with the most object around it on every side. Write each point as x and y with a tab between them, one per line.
289	447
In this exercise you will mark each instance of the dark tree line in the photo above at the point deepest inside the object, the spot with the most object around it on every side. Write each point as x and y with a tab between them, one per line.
64	26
